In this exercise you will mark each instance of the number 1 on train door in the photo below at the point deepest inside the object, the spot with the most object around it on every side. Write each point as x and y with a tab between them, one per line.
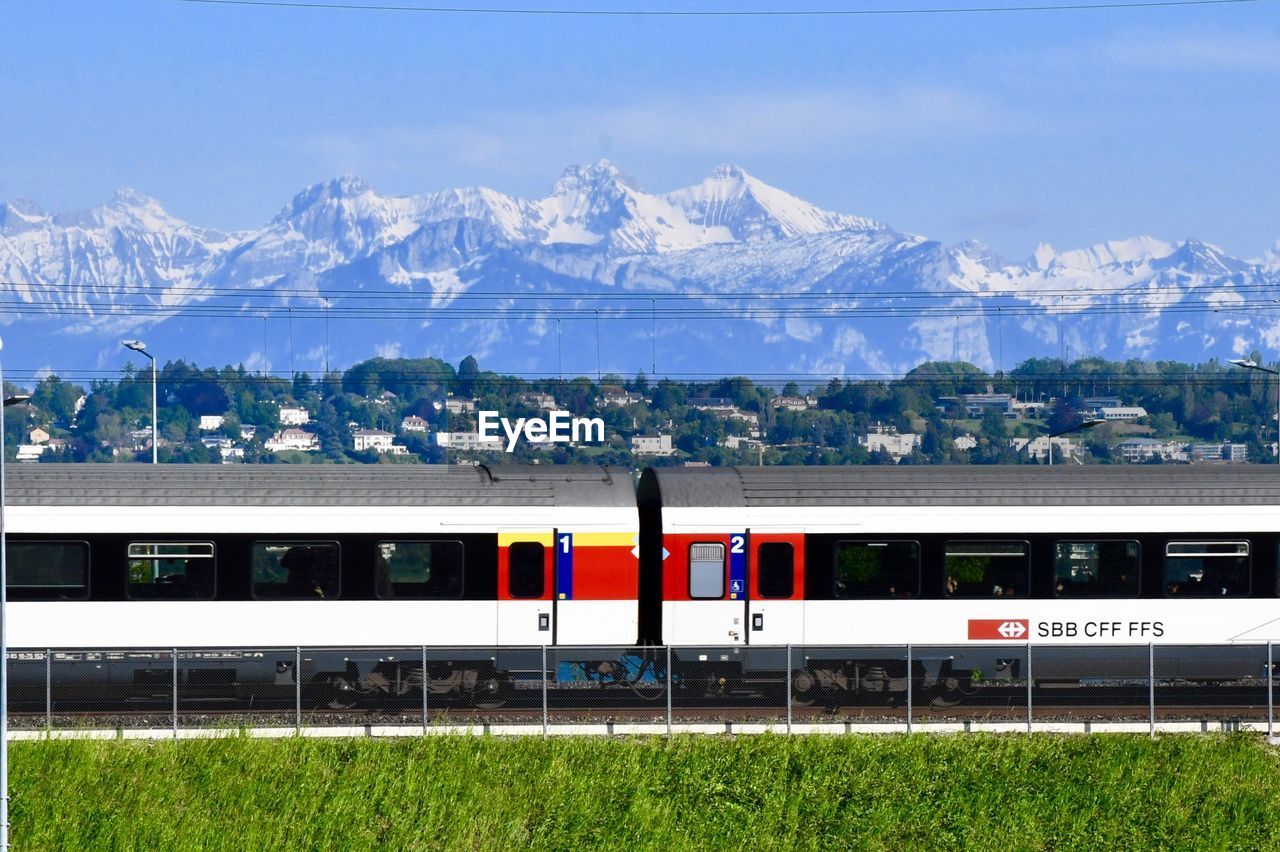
564	566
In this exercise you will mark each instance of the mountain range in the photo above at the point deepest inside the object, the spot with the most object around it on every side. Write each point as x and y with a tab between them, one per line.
729	276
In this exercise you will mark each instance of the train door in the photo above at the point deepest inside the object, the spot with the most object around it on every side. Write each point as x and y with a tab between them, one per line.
705	589
526	608
775	609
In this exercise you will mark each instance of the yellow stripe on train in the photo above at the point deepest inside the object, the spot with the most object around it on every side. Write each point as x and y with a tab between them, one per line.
544	537
604	539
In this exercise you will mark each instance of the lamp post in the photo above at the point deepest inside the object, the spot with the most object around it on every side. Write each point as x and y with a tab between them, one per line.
141	348
4	640
1087	424
1250	364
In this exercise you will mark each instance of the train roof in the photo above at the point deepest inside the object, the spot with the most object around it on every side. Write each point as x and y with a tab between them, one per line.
316	485
962	485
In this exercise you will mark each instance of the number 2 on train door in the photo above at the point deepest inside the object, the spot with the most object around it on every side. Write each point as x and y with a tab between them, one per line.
738	582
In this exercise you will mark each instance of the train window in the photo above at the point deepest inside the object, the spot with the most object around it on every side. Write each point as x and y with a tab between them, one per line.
47	570
1096	569
419	570
706	570
1206	569
877	569
986	569
526	569
295	570
776	569
170	570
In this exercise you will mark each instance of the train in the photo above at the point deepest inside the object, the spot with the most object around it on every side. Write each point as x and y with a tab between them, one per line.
743	572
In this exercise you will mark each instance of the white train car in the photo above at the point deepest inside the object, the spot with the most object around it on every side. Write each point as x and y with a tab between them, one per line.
129	556
954	555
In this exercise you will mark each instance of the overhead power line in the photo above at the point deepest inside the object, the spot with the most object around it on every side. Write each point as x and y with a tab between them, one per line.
716	13
358	294
1172	380
647	313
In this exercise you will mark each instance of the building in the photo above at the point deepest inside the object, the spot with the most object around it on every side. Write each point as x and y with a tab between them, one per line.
372	440
740	442
30	452
210	422
538	399
976	405
889	440
1141	450
468	441
793	403
1039	448
292	439
456	405
1225	452
413	423
617	395
652	445
247	431
39	436
717	404
965	442
290	416
1122	412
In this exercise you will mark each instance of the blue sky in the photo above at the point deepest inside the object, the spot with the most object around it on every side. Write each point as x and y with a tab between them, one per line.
1013	128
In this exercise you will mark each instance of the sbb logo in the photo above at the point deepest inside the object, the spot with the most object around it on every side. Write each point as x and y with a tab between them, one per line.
999	628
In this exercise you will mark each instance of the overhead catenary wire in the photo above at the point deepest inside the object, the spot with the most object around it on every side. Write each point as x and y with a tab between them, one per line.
1191	377
360	294
881	11
635	312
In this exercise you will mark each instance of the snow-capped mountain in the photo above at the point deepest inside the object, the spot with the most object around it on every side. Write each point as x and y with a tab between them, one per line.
730	275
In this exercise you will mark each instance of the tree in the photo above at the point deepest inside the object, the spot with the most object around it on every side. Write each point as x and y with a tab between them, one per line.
58	399
468	372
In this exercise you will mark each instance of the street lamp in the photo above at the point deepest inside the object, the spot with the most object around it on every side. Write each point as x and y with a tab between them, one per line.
141	348
1087	424
1250	364
4	639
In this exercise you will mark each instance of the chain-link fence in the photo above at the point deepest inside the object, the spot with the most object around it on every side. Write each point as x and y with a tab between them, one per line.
557	689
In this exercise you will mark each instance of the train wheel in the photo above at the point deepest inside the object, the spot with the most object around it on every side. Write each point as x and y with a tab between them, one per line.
803	687
491	692
339	693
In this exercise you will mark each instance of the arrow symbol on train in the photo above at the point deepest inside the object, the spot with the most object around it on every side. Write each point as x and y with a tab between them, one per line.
665	554
1011	629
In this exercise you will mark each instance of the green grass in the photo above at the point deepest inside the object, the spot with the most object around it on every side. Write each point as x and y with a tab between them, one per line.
458	792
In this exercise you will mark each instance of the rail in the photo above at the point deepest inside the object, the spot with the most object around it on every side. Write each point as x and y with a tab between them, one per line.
668	689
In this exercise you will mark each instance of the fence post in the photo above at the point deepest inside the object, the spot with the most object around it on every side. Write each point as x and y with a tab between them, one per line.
1270	701
175	693
789	671
48	689
1028	688
1151	680
544	690
425	685
297	689
910	692
668	690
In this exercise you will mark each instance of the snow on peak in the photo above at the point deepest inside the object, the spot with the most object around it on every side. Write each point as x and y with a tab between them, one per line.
598	175
1132	250
750	209
21	214
1271	259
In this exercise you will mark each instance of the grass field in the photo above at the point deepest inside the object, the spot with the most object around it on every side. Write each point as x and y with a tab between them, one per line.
1006	793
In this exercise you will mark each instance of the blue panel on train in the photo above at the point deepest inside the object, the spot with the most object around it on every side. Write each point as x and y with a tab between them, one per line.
737	567
564	566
